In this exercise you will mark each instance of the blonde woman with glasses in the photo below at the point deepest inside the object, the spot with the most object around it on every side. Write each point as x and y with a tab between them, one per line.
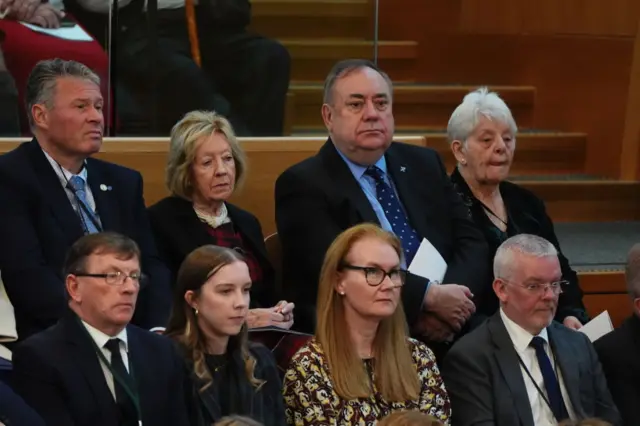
361	366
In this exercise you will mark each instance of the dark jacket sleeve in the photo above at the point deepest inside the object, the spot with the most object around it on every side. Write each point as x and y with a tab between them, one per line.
604	408
273	403
570	302
230	14
154	302
36	380
15	411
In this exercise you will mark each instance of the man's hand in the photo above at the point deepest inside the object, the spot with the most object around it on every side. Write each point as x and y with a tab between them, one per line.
46	16
572	323
23	10
433	329
451	303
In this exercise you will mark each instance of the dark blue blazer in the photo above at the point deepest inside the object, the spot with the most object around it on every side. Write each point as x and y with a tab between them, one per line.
14	411
58	373
38	225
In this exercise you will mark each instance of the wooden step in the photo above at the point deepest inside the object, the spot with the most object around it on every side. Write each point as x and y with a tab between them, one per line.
542	153
588	200
312	59
312	18
415	106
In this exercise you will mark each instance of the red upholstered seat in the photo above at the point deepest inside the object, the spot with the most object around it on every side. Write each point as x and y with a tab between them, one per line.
23	48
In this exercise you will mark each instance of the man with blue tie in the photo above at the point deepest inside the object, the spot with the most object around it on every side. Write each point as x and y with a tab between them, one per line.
519	367
52	192
361	175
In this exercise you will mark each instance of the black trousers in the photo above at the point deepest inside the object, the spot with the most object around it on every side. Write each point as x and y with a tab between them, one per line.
244	76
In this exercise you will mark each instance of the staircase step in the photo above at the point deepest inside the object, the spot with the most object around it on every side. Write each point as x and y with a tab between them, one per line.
312	18
312	59
415	106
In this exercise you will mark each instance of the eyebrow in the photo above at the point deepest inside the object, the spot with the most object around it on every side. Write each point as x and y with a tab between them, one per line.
361	96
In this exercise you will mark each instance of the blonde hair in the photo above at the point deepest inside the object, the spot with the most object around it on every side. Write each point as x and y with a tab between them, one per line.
395	372
197	268
409	418
186	136
236	420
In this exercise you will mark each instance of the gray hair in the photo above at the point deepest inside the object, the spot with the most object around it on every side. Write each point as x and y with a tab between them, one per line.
344	68
527	244
41	83
632	271
480	102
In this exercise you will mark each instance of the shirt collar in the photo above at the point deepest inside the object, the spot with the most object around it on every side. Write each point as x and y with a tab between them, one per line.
358	170
520	337
63	174
101	338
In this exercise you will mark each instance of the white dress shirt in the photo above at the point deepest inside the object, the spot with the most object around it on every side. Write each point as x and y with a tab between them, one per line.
64	176
521	338
101	339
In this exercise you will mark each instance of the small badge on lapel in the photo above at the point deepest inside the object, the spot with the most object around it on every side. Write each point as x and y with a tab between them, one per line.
403	169
104	187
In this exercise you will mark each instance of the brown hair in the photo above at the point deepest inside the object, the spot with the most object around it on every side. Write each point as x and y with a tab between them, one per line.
409	418
121	246
584	422
395	372
186	135
236	420
197	268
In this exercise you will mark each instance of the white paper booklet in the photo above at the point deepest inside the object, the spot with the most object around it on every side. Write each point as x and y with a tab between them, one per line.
598	326
428	262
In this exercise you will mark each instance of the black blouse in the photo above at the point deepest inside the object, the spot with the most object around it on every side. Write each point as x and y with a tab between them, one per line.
526	215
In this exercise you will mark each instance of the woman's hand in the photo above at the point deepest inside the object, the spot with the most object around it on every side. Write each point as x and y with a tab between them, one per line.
280	315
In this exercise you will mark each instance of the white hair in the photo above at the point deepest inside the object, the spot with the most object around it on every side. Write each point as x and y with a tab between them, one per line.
527	244
479	103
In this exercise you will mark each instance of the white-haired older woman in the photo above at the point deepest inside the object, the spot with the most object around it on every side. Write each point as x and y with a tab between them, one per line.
205	166
482	133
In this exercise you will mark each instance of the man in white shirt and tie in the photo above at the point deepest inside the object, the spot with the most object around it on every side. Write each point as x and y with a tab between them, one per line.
93	368
520	367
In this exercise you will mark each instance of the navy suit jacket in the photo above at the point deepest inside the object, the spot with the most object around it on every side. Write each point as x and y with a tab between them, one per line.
14	411
38	225
58	373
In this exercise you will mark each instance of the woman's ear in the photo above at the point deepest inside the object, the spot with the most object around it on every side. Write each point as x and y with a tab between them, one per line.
457	147
191	298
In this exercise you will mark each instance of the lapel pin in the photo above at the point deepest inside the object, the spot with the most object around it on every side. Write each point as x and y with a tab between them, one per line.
104	187
403	169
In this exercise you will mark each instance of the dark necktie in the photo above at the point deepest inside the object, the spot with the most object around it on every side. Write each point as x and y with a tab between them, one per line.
77	185
395	214
128	414
551	383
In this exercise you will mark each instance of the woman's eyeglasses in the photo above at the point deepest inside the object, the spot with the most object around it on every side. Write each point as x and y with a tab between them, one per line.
375	275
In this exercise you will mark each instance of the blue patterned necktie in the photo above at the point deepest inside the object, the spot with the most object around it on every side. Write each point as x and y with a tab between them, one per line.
551	383
395	214
77	185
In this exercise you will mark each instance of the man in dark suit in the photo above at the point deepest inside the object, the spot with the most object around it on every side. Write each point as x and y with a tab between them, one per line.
93	368
520	367
52	193
619	351
357	172
14	411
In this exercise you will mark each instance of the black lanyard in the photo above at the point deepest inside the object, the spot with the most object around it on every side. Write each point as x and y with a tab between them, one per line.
555	368
131	392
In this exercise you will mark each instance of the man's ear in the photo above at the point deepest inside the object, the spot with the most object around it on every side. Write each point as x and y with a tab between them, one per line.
499	288
40	115
73	288
327	116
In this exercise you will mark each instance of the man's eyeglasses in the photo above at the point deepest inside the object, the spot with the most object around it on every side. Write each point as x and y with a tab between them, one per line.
375	275
117	278
541	288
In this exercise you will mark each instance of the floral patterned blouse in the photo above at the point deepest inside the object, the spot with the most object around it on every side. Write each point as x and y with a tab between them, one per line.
311	400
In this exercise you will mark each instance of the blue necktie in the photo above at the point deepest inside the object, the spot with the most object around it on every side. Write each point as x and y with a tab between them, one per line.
551	383
395	214
77	185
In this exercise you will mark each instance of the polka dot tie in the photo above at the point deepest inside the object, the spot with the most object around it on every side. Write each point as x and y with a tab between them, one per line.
77	185
395	214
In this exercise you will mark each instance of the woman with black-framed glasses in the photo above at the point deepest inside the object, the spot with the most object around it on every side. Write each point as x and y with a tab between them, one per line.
361	365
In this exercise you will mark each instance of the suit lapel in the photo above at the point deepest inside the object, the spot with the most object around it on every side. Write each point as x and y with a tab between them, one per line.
54	193
507	360
345	184
106	199
252	238
564	354
87	362
193	230
411	191
142	378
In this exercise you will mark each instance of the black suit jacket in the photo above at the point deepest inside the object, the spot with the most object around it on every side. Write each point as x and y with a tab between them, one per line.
487	388
58	372
619	353
527	215
319	198
14	411
38	225
178	232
